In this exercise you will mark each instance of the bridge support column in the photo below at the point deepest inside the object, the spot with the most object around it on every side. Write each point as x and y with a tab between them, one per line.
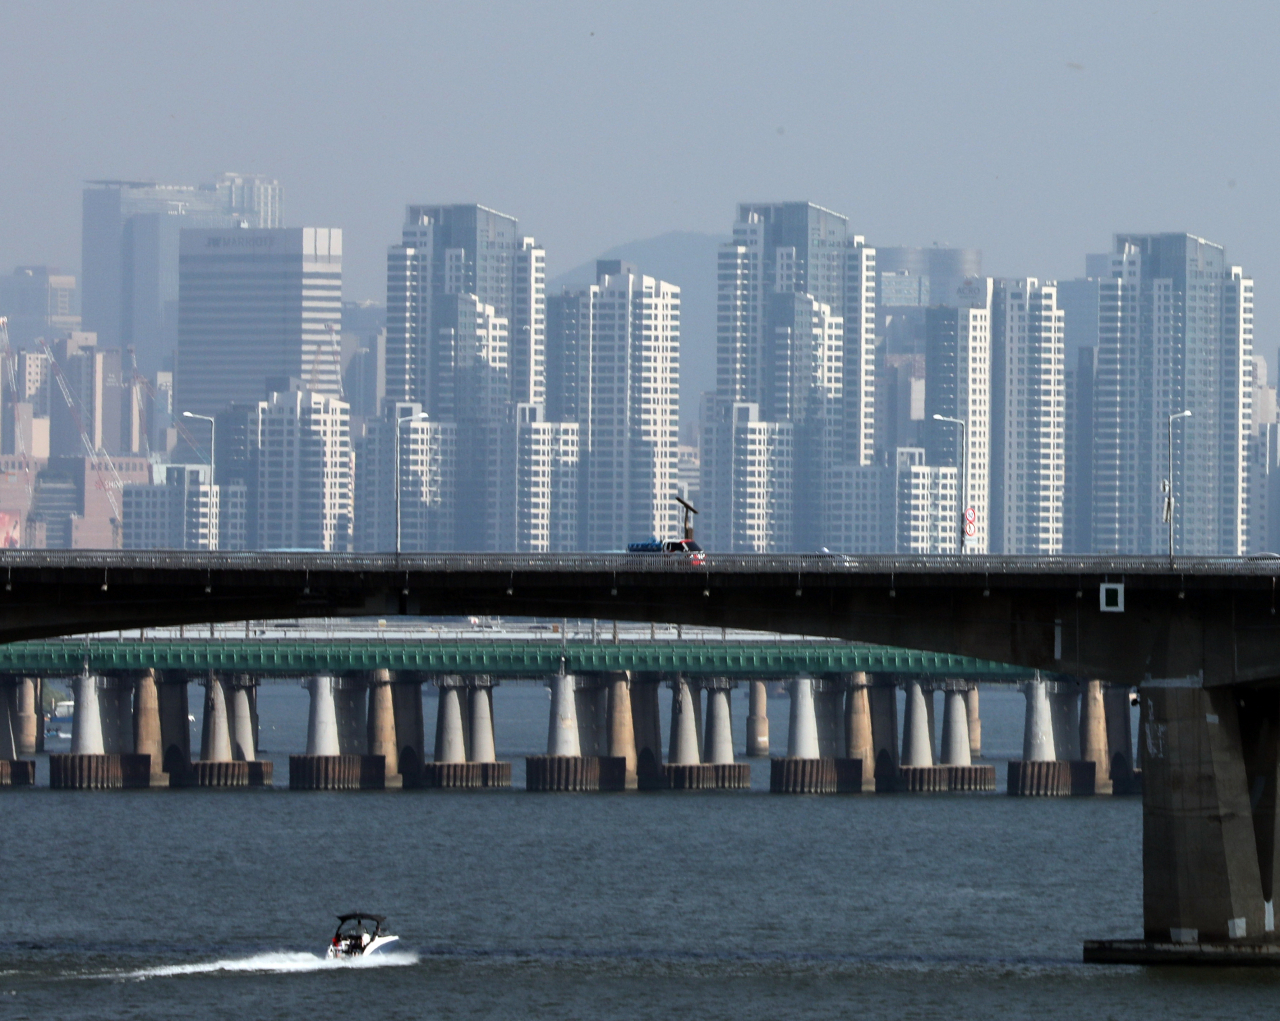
147	735
217	767
406	701
621	728
590	735
1093	736
804	770
975	720
351	692
322	719
955	730
718	743
27	721
115	707
564	767
86	721
827	697
244	727
451	743
647	719
859	741
1124	778
917	745
684	725
883	697
1064	705
1041	772
1208	847
484	769
757	721
380	734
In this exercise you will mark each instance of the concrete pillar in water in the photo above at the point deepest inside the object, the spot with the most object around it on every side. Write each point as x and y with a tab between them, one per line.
621	732
802	732
451	741
115	702
684	726
1037	737
646	718
562	729
1064	705
917	749
757	721
147	738
718	744
8	715
86	723
955	731
244	738
827	719
406	697
858	740
1093	735
27	722
350	695
480	698
975	720
381	721
584	706
322	719
883	696
1119	730
215	743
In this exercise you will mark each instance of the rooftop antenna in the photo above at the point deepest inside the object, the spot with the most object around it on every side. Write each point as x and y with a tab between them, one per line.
688	507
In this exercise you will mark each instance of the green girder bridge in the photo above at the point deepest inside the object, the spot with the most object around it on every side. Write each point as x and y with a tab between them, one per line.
493	657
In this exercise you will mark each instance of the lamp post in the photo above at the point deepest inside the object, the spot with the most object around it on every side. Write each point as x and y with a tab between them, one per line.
1167	484
964	470
416	416
212	435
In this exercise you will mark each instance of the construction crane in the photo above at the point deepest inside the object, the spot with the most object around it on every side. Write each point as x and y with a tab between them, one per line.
94	457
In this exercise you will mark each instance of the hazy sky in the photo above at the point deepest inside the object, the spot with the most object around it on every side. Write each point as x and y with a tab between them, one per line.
1032	131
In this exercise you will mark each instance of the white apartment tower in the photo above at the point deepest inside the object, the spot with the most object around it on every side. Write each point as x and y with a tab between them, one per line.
304	472
925	511
958	386
1027	418
546	460
1175	334
182	512
630	466
796	337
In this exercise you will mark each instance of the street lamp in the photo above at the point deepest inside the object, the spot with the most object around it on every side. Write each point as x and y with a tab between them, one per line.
964	469
212	435
1166	486
415	417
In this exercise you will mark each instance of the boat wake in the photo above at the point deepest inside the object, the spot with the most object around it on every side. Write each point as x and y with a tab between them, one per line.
279	963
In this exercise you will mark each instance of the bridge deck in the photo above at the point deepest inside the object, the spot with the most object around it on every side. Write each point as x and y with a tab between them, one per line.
495	657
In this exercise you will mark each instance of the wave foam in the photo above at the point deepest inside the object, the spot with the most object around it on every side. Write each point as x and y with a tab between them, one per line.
280	962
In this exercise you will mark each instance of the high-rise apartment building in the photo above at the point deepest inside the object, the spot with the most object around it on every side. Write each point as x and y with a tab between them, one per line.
546	462
629	453
1027	418
925	509
129	253
304	472
792	274
1175	334
958	386
747	478
428	482
254	306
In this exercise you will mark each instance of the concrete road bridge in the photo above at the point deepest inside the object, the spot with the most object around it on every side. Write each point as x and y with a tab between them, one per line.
1199	636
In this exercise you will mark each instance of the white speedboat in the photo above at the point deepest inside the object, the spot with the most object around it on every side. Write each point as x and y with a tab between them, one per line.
353	937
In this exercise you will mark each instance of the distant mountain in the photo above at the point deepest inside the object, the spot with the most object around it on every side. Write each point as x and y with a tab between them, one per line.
688	260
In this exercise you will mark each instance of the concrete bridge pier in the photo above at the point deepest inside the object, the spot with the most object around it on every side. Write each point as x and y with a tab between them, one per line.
975	719
804	770
917	739
955	729
351	694
882	695
217	766
564	767
324	767
1041	772
27	718
717	742
1125	778
115	707
14	770
148	737
646	718
621	733
406	703
757	720
859	740
1093	736
88	765
1064	706
382	765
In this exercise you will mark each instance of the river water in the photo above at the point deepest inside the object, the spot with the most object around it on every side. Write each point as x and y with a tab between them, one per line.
735	905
